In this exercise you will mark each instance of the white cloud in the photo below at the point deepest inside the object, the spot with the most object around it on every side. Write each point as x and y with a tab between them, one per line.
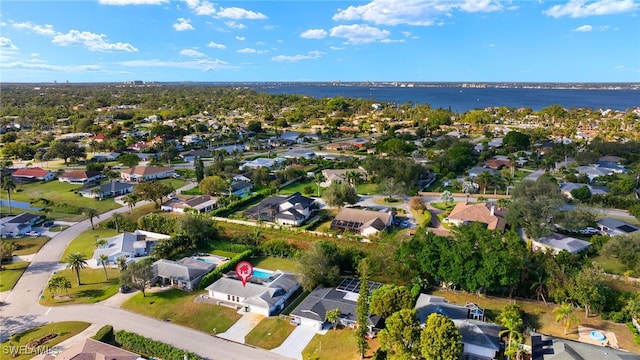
7	44
237	13
336	48
132	2
359	34
314	34
390	41
183	25
203	65
235	25
311	55
584	28
191	53
240	38
412	12
251	51
203	8
39	65
215	45
584	8
92	41
46	30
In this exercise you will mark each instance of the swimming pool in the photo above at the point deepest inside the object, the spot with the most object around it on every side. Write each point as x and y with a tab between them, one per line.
261	273
209	260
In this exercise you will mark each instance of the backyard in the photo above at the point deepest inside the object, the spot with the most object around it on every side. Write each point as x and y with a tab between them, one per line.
63	330
179	307
95	287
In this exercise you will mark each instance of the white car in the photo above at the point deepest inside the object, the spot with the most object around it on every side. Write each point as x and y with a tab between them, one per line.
33	233
589	231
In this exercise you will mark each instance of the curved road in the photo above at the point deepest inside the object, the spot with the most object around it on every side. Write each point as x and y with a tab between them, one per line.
21	309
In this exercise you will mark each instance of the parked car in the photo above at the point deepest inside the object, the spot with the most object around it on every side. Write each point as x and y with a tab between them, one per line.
589	231
47	224
124	289
33	233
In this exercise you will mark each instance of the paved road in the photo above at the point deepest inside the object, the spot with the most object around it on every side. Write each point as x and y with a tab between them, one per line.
21	309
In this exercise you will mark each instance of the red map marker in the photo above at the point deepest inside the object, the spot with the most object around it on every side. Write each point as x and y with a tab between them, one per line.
244	270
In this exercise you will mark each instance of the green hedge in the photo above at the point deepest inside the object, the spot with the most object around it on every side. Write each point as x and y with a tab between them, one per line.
216	274
105	334
427	219
150	348
634	331
235	206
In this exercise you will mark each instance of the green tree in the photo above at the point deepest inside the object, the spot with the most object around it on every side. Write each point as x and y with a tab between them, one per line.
390	299
130	200
103	260
440	339
446	197
391	187
589	288
564	314
65	151
626	248
129	160
199	169
122	263
77	262
332	316
318	178
401	335
6	251
511	320
255	126
153	191
116	217
213	185
319	265
7	184
337	194
582	194
138	275
362	308
90	214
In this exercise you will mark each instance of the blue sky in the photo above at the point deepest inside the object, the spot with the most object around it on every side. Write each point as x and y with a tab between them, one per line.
321	40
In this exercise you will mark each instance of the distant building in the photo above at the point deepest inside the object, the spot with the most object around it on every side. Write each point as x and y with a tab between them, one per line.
145	173
80	177
559	242
487	213
128	245
200	204
284	210
613	227
362	222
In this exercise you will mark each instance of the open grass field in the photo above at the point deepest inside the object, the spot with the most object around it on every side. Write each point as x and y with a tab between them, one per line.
11	274
337	344
610	264
367	189
59	193
542	318
64	330
299	186
30	245
85	243
274	263
95	287
179	307
175	183
269	333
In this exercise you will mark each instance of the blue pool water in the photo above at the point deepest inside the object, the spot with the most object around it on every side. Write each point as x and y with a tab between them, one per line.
262	274
207	261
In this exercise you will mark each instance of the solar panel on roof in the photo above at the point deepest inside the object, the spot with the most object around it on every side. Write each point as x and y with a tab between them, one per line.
353	285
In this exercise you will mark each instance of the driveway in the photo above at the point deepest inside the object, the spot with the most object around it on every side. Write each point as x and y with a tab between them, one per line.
242	327
296	342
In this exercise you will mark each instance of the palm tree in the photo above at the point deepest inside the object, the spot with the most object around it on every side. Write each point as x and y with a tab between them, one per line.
91	214
564	313
122	263
508	180
333	316
318	178
117	218
54	285
483	180
7	185
467	188
353	177
76	262
65	284
103	260
131	200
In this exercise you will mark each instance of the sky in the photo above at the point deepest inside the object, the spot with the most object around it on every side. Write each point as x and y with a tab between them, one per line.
320	40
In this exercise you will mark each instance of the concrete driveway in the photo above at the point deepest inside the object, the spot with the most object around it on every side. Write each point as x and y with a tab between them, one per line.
242	327
296	342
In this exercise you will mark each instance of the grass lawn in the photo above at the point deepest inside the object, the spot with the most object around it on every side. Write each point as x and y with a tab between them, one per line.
94	287
423	218
443	206
179	307
387	201
367	189
30	245
274	263
269	333
85	243
542	318
11	273
175	183
58	228
610	264
337	344
299	186
64	330
59	193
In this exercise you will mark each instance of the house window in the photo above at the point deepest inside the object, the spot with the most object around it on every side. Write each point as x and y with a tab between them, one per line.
228	297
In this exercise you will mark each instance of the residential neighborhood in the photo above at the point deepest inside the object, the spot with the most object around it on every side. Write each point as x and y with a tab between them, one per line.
514	232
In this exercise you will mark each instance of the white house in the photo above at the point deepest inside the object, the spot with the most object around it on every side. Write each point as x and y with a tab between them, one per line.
284	210
11	226
558	242
80	176
262	162
146	173
128	245
265	292
201	204
34	173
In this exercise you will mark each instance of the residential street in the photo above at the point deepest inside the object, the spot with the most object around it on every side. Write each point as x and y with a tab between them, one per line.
21	310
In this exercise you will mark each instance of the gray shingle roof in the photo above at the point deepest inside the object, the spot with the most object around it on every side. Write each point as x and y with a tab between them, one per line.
264	294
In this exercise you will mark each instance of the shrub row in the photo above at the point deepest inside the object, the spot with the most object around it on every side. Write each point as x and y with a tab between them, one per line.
216	274
235	206
105	335
634	331
151	348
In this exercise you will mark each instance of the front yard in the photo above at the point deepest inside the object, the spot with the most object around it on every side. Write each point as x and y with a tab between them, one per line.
179	307
28	246
11	273
85	243
269	333
95	287
337	344
63	330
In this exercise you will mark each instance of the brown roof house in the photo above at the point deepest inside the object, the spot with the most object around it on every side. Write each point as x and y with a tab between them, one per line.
80	176
32	174
146	173
363	222
91	350
488	213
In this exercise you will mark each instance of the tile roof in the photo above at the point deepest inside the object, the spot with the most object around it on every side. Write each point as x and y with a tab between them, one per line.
80	174
358	219
32	171
91	349
146	170
480	212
